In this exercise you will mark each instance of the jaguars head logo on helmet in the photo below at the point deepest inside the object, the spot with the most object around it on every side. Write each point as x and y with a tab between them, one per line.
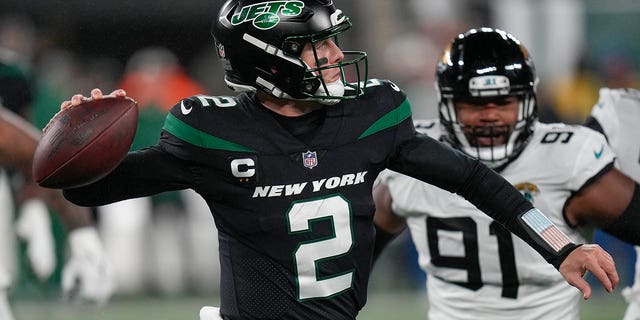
483	64
262	42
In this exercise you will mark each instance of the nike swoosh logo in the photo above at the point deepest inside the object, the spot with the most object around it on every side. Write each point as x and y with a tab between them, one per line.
599	153
184	109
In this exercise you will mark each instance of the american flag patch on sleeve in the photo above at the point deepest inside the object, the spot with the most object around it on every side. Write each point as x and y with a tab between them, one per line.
548	231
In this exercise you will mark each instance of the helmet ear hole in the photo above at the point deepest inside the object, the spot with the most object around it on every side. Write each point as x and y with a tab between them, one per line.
310	86
293	48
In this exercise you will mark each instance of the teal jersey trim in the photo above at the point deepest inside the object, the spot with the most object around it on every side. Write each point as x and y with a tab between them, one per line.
393	118
196	137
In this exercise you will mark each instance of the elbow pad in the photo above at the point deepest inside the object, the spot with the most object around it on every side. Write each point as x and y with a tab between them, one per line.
627	226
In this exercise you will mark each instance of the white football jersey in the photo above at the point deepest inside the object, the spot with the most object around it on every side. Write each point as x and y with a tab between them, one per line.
477	269
618	112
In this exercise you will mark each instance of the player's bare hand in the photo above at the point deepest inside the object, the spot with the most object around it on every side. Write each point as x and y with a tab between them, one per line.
77	99
96	94
592	258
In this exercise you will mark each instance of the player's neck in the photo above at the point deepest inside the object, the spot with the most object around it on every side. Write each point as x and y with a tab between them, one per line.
286	107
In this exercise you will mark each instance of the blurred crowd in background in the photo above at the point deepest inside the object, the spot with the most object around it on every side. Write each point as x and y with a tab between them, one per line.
161	51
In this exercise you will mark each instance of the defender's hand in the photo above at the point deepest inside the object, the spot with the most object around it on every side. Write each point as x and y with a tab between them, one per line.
88	274
589	257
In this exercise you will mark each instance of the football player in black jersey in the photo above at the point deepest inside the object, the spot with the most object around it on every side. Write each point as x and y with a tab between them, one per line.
287	166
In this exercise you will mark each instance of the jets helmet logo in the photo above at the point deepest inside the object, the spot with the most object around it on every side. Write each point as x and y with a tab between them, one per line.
265	14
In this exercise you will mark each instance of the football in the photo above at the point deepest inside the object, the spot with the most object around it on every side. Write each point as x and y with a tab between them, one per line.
84	143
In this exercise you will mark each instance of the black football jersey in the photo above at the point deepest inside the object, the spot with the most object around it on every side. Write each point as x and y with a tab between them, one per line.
295	220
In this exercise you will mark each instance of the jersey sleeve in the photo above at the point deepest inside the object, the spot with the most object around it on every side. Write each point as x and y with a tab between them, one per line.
387	107
594	156
404	189
435	163
180	133
142	173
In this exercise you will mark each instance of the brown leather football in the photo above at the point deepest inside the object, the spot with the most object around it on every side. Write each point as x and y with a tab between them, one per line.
84	143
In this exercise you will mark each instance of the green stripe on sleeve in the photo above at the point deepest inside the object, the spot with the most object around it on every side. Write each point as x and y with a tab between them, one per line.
393	118
199	138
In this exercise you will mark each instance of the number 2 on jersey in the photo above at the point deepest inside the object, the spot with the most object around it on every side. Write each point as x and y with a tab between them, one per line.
309	254
471	261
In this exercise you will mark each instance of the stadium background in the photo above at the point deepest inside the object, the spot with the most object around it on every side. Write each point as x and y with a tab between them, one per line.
76	45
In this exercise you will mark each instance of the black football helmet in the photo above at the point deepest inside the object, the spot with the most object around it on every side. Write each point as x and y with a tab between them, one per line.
481	64
260	42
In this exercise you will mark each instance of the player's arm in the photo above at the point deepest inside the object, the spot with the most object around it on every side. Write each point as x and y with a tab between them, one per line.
428	160
388	224
611	202
141	173
18	141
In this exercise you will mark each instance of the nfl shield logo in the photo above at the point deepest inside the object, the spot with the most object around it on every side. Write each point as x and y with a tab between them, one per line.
221	52
310	159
